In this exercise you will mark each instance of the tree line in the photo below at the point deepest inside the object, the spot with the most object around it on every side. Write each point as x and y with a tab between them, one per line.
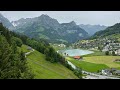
13	63
17	39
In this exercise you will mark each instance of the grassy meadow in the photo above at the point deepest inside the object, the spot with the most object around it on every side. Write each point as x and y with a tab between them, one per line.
87	66
107	60
46	70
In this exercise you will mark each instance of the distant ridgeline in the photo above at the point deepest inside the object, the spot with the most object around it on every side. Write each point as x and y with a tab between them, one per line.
50	29
6	22
100	39
92	29
110	31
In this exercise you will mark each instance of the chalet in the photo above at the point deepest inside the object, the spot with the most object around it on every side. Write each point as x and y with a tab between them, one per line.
117	60
29	48
117	52
106	48
62	45
106	72
77	57
113	69
117	72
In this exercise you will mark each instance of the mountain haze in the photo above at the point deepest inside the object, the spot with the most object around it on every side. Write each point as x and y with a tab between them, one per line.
112	30
50	29
6	22
92	29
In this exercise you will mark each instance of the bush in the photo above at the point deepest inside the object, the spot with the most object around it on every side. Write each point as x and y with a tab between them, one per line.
18	41
78	72
107	53
113	53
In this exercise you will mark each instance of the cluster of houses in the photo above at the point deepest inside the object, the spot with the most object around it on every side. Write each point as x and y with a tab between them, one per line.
111	71
112	47
90	44
58	45
62	45
105	44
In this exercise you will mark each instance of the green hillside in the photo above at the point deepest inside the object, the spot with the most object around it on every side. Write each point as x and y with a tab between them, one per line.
112	30
46	70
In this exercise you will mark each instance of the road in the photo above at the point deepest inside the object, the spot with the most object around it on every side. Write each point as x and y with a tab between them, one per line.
92	75
97	76
73	66
29	52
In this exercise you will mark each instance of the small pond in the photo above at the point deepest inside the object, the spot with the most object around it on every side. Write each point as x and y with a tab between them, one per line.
75	52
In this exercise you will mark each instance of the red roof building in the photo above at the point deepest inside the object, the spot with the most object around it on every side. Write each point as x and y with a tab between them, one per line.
76	57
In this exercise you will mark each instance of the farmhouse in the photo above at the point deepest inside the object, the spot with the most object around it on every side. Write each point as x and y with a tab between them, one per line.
111	71
62	45
29	48
117	72
117	52
106	72
77	57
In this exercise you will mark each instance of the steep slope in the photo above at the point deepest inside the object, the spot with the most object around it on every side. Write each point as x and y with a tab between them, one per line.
46	70
14	63
92	29
112	30
48	28
6	22
72	32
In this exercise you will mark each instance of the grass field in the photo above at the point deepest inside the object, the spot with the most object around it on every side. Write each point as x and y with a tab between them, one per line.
23	48
46	70
87	66
107	60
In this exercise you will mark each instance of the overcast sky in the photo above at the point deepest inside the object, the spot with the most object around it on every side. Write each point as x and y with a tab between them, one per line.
107	18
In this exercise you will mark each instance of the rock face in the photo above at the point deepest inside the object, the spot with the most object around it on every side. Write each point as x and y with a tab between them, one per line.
6	22
92	29
48	28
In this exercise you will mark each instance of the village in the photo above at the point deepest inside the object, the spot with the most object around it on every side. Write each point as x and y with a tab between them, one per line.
109	45
103	44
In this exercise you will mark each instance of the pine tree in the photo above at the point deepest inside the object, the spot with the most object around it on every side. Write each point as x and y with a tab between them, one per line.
113	53
107	53
5	53
13	64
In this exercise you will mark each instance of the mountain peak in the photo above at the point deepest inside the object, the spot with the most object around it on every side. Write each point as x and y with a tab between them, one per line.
73	22
44	16
92	29
5	22
1	14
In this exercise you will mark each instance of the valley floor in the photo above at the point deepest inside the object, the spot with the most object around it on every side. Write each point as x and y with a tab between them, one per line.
92	64
90	70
